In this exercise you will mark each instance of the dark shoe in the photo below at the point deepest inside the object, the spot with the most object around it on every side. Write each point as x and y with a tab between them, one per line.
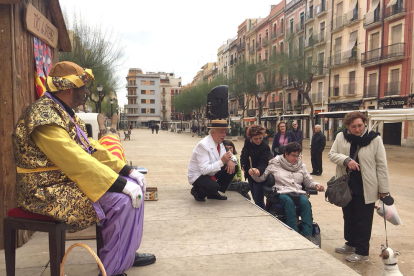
318	174
313	173
123	274
144	259
196	196
217	196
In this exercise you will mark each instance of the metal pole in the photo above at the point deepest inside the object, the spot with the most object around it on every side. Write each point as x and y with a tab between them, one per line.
260	111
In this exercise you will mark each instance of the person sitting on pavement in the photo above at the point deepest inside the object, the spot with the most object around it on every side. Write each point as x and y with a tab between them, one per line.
236	184
255	153
66	175
211	168
290	173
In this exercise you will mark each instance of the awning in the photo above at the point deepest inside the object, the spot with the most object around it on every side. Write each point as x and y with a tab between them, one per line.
295	116
234	118
369	17
249	119
392	117
270	118
392	3
353	4
352	40
336	114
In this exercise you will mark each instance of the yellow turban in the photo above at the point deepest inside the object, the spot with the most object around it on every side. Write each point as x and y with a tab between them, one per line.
66	75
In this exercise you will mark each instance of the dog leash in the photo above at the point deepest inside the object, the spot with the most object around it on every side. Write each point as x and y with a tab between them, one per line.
385	224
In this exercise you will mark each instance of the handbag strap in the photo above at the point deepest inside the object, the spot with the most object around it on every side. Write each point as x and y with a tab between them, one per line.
354	158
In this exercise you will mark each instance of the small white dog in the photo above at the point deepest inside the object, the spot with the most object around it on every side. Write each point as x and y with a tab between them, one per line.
389	258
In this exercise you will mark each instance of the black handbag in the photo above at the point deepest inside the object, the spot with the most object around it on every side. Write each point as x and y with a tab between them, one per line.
338	191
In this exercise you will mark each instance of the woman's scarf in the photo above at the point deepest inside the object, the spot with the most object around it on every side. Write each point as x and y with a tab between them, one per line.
287	165
363	140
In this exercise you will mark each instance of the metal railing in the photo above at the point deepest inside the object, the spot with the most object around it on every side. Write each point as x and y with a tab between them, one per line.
309	15
316	97
338	59
335	91
393	51
251	112
300	27
258	46
320	8
371	91
252	50
346	19
291	4
277	104
297	104
394	10
241	46
265	41
315	39
273	35
392	88
289	106
377	19
319	69
231	62
349	89
290	30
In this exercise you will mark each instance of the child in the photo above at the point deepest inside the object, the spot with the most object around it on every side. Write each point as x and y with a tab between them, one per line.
236	184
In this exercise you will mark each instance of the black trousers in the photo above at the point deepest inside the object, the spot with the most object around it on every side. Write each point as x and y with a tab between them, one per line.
206	186
316	160
358	218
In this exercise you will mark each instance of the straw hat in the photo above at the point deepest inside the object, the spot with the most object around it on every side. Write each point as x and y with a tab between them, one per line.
219	124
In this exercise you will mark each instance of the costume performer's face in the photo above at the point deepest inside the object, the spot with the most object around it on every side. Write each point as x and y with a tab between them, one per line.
78	95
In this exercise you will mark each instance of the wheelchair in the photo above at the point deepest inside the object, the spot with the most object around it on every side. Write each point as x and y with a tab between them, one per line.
276	209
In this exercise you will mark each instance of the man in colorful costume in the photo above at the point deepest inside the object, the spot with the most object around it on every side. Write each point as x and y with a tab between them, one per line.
73	179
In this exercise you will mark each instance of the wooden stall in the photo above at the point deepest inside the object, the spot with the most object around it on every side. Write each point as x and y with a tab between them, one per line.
17	77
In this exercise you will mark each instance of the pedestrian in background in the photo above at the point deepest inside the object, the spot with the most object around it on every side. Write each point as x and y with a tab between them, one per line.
317	146
298	133
157	127
368	181
281	138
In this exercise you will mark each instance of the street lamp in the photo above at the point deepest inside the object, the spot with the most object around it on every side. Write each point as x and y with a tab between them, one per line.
99	88
259	96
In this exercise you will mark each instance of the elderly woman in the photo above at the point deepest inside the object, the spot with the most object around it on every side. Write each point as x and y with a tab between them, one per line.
258	151
368	180
290	173
281	138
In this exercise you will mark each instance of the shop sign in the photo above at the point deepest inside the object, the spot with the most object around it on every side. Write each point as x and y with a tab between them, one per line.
389	102
38	25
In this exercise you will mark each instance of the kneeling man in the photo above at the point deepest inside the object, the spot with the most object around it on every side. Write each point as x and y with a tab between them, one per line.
211	168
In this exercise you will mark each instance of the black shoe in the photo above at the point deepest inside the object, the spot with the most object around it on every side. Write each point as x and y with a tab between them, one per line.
143	259
123	274
217	196
318	174
313	173
196	196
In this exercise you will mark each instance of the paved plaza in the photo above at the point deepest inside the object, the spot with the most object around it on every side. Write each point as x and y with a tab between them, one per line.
234	237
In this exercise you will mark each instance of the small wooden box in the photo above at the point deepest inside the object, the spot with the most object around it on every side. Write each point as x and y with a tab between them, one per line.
151	193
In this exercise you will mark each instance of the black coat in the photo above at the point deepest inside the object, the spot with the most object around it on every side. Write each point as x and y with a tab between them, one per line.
290	138
259	155
318	142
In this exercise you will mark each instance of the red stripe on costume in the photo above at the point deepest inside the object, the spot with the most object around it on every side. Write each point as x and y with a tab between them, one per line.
111	138
110	143
117	155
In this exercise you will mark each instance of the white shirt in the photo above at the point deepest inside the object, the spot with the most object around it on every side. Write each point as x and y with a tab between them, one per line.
205	159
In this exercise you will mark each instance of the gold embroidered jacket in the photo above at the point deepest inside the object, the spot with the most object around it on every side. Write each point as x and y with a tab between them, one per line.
56	176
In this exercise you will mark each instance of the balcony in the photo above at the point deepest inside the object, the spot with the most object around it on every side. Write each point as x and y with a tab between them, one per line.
395	11
273	35
163	100
231	62
316	39
350	90
300	27
373	22
252	50
265	42
258	45
371	91
279	31
309	16
321	9
289	106
251	112
347	19
392	89
319	70
338	59
334	92
389	53
276	105
131	85
292	4
241	46
316	97
290	31
297	104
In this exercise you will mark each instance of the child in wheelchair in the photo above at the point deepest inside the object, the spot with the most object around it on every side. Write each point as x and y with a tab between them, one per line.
287	175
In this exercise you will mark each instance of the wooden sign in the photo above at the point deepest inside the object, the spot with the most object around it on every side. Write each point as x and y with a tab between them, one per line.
38	25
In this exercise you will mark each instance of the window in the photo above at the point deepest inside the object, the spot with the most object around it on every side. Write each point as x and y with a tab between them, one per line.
152	110
151	92
352	84
152	101
152	82
179	84
143	101
143	92
143	82
291	26
143	110
336	86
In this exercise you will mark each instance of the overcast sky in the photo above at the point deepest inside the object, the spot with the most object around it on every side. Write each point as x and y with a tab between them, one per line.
169	36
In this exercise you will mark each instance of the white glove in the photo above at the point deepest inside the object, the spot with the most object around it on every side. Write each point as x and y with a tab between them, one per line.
140	178
135	192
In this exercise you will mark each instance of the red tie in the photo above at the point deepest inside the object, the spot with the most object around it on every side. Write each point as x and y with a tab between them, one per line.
218	149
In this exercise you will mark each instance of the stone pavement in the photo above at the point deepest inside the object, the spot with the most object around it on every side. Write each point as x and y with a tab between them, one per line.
232	237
